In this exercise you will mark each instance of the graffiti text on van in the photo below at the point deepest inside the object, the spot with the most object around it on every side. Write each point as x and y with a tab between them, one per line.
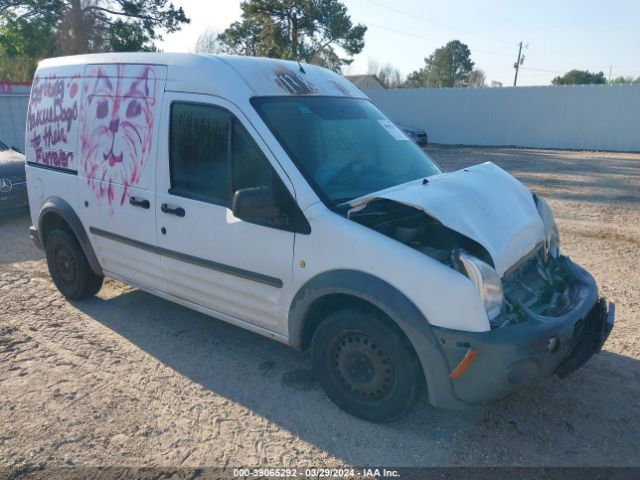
57	113
52	120
51	87
52	158
60	158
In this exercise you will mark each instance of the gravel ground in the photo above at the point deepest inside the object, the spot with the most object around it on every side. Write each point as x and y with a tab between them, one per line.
130	379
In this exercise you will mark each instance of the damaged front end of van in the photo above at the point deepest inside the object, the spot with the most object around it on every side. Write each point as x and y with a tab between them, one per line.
544	314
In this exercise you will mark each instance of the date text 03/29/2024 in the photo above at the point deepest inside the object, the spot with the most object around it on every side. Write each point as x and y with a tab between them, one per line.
315	473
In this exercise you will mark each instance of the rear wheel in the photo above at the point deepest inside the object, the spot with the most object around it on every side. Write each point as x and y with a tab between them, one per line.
69	268
365	365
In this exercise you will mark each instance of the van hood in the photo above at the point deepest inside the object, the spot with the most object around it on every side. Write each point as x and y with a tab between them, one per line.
482	202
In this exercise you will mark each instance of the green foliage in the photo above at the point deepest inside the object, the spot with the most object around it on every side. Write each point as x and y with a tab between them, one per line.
580	77
318	31
23	43
148	15
16	68
448	66
129	37
622	80
245	38
31	30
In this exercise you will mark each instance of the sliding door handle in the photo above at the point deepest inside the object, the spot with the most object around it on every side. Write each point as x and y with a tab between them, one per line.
139	202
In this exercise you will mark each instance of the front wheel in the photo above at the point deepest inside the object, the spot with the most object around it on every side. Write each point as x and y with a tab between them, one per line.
365	365
69	268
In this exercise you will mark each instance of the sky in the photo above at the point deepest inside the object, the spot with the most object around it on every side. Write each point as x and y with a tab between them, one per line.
557	35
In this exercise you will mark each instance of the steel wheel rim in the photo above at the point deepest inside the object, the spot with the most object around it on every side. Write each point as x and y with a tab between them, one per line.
362	366
66	265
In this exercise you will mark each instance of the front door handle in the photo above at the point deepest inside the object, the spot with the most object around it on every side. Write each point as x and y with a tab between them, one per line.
177	211
139	202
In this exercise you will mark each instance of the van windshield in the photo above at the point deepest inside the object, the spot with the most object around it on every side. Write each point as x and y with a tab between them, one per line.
345	147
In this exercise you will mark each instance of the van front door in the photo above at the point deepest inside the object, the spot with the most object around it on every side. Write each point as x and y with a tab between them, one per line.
120	105
235	269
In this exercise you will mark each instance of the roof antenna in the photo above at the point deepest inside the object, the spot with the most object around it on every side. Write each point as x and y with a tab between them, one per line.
300	65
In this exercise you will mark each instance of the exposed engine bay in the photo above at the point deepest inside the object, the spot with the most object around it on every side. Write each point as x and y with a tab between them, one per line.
538	286
416	229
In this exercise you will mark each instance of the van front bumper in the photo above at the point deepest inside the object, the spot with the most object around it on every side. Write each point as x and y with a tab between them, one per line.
35	237
487	366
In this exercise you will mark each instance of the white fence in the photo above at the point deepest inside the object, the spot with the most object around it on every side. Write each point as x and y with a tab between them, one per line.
590	117
14	100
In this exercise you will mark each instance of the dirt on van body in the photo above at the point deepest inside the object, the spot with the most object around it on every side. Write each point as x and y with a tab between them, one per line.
129	379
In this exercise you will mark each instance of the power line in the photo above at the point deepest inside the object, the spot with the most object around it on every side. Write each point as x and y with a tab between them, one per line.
400	32
420	37
442	25
543	70
434	41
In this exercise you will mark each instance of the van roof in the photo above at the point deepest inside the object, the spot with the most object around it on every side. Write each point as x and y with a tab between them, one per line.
229	76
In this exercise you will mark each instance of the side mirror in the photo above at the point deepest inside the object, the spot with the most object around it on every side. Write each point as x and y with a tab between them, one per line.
257	203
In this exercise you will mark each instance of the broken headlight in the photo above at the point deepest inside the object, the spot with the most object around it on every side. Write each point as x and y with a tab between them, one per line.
486	280
551	234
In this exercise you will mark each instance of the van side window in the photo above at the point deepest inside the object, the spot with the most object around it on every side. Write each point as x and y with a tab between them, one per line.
249	165
212	155
250	169
199	152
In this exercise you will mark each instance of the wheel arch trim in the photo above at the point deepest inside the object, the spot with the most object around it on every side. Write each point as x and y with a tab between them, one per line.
60	207
396	306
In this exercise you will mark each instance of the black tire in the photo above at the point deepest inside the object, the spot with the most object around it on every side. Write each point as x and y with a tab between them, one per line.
365	365
69	268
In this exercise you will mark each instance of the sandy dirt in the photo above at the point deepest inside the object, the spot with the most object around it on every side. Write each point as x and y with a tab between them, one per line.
130	379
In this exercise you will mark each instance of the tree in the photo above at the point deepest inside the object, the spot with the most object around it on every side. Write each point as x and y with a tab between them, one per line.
83	26
477	78
81	31
318	31
580	77
622	80
388	75
495	84
129	37
22	44
448	66
209	42
244	38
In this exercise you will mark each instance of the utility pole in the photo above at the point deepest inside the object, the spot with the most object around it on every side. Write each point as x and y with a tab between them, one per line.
518	63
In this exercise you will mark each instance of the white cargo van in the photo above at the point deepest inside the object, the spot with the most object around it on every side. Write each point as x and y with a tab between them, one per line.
275	196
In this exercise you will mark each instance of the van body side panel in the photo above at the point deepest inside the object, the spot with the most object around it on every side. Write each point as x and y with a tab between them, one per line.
51	136
53	118
117	144
46	184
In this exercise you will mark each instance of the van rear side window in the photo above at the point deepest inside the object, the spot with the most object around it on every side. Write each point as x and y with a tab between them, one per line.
199	152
